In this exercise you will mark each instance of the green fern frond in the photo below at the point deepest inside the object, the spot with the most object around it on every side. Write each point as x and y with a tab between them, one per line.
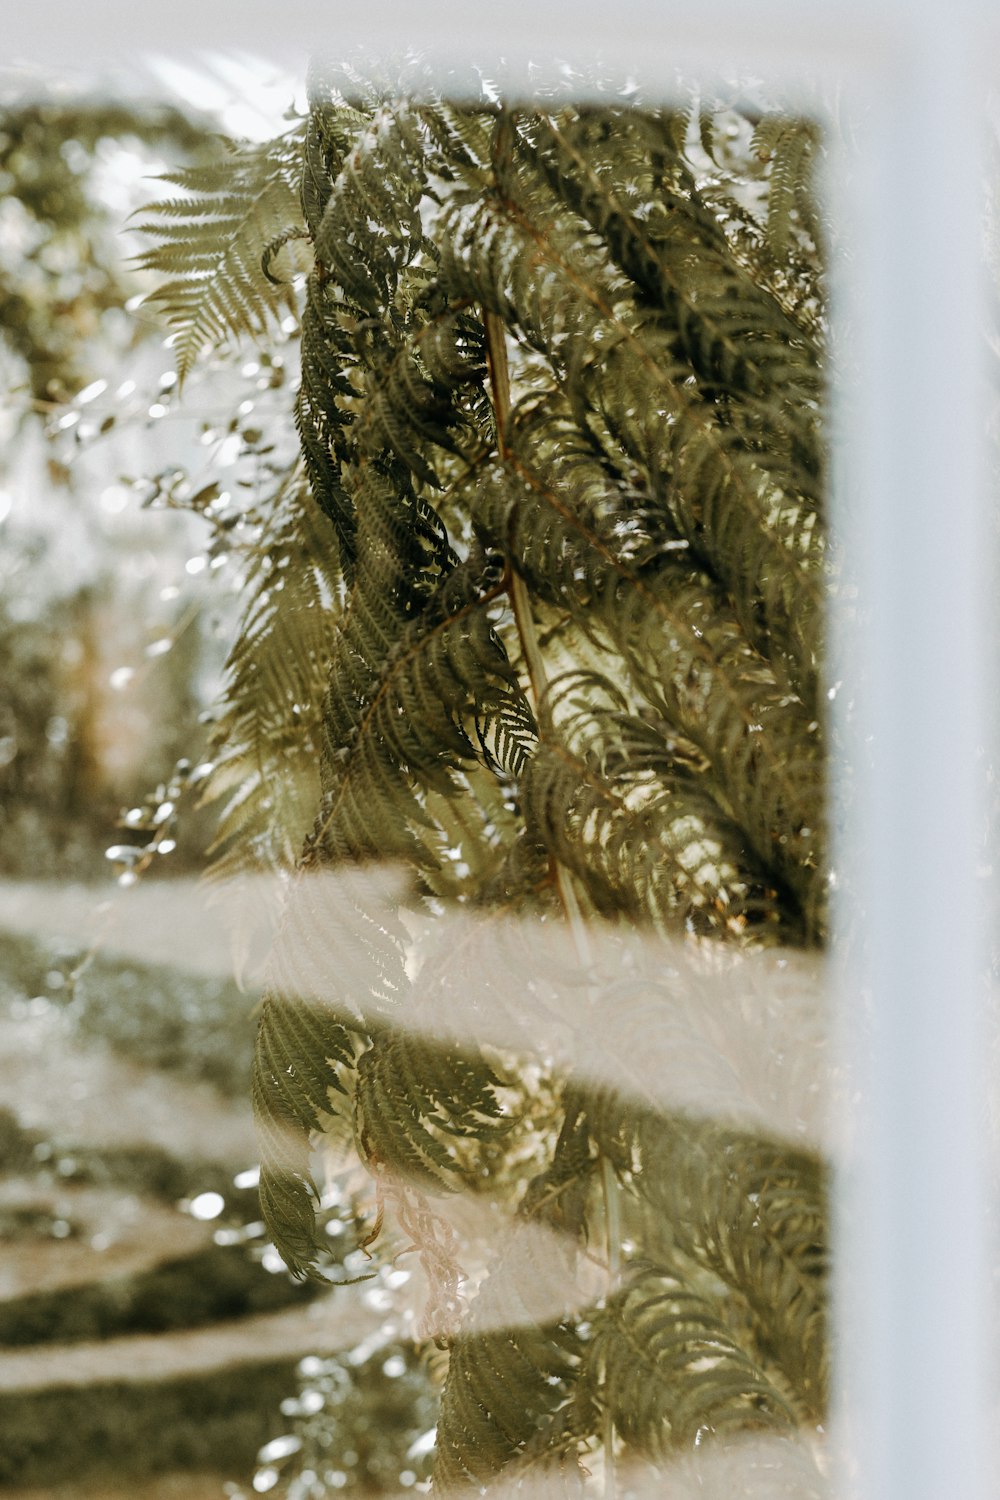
789	148
671	1372
620	369
265	743
740	343
414	1099
210	246
642	831
754	1216
502	1385
510	1376
313	1028
686	651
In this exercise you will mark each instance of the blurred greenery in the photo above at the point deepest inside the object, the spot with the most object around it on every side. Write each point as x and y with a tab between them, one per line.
63	273
215	1421
64	285
363	1425
214	1284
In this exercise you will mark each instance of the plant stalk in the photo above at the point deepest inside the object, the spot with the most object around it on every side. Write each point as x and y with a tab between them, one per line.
499	376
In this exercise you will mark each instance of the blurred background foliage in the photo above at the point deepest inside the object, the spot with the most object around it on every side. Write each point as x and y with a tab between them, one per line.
62	283
72	587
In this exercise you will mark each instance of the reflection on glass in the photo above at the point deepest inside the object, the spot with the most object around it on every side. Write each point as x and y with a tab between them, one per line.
519	759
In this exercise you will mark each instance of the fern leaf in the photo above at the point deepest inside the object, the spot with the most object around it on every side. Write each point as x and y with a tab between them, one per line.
210	246
672	1372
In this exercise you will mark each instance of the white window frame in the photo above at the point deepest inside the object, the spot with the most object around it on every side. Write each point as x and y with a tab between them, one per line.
914	1303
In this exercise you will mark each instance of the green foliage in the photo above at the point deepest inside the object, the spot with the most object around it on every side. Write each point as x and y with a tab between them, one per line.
563	564
265	743
381	1403
63	273
142	1428
210	245
65	161
207	1287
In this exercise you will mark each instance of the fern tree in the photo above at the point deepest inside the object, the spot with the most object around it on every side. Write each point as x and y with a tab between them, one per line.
537	618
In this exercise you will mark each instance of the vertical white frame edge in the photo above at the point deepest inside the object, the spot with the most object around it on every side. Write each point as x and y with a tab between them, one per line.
914	1296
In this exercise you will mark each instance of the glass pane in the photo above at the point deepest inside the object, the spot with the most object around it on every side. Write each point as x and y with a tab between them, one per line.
482	520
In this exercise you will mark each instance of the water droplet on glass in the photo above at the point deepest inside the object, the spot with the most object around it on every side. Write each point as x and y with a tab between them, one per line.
423	1445
114	499
229	451
279	1447
124	854
206	1206
91	392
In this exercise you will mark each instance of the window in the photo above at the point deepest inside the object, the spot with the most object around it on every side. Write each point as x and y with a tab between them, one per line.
909	683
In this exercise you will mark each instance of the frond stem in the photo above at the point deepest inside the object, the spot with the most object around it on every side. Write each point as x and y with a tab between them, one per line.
499	373
496	359
613	1237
